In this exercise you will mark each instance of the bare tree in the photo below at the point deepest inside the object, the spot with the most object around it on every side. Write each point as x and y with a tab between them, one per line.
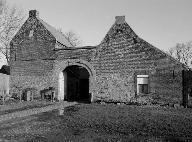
11	19
73	38
170	51
182	52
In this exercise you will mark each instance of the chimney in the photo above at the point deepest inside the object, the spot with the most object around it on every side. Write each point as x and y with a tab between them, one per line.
120	19
33	13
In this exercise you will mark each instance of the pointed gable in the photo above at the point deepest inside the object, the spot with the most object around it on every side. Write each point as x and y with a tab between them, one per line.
34	20
120	29
122	49
61	38
121	35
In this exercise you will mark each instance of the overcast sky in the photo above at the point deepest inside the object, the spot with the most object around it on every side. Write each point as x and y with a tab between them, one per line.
162	23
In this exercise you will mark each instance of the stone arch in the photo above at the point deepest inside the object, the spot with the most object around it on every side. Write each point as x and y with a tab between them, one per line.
60	66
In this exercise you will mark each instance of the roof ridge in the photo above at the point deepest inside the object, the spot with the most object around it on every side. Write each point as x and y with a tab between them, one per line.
163	52
59	36
120	21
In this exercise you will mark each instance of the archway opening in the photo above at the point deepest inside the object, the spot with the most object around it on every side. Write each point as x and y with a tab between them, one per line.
76	84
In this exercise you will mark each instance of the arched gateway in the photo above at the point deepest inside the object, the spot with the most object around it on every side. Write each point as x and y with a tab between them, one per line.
75	81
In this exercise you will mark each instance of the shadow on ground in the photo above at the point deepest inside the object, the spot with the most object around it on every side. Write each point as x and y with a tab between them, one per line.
103	123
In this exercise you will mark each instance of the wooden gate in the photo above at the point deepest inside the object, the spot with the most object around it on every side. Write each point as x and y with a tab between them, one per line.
187	86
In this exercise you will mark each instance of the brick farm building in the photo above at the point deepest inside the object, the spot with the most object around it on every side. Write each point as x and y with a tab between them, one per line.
121	68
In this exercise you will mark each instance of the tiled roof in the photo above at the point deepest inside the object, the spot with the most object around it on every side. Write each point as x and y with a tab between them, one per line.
61	38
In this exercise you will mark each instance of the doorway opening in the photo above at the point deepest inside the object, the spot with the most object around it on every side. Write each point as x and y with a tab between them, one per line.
76	84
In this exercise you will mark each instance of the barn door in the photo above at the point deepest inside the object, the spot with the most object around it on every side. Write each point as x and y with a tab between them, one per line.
187	86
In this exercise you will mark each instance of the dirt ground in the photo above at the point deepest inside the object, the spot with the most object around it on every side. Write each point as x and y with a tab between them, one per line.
102	123
15	105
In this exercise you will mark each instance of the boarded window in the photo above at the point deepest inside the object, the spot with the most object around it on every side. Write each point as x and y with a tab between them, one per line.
143	84
143	88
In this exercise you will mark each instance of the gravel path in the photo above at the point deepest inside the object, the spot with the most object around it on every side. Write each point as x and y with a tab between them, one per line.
33	111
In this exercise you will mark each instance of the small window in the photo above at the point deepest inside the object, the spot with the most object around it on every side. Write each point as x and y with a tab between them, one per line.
143	84
173	74
143	88
31	33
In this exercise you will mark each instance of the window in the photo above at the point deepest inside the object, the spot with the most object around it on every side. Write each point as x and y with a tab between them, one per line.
143	84
143	88
173	72
31	33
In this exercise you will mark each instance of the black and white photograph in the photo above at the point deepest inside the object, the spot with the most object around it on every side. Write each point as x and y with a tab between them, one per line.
95	70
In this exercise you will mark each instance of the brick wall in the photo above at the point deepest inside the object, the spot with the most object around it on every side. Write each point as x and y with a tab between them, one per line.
122	55
116	62
85	54
31	64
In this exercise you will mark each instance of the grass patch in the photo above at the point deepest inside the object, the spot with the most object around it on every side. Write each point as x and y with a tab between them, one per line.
15	105
108	122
